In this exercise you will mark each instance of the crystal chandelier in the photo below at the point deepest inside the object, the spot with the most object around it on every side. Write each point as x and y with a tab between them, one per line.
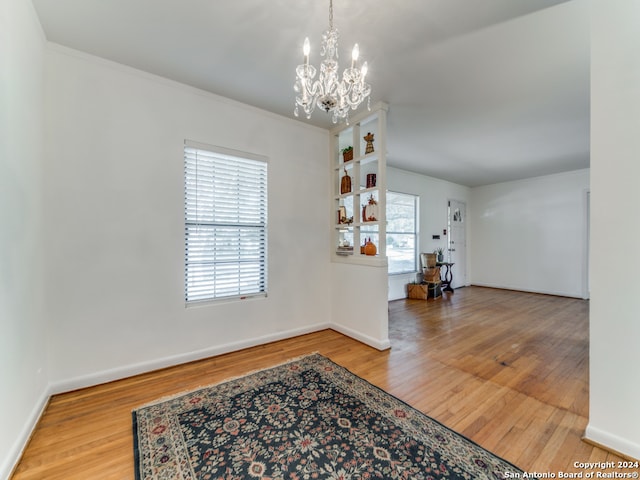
329	92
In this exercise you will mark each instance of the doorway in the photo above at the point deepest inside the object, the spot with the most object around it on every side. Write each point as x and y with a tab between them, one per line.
457	242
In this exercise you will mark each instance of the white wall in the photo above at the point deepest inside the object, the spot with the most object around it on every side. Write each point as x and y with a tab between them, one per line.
359	303
113	233
114	222
614	384
530	235
434	195
23	332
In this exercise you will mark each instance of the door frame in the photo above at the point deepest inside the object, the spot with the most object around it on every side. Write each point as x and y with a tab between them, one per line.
462	274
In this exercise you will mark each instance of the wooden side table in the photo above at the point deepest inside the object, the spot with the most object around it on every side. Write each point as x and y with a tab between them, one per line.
447	278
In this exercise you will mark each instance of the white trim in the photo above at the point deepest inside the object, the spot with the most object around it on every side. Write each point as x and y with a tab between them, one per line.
609	440
170	361
366	339
15	452
224	151
120	373
210	210
527	290
210	302
586	239
415	233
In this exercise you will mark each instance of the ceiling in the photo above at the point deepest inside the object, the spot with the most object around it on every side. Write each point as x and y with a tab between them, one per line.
479	91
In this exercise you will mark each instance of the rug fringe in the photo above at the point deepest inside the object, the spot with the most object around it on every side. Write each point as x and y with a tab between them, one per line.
229	379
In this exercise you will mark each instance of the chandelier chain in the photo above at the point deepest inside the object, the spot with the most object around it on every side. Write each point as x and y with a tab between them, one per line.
330	14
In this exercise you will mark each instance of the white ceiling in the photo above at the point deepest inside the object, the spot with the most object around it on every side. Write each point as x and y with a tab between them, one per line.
480	91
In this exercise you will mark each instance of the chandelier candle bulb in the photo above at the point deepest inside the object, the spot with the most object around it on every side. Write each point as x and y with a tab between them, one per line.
306	48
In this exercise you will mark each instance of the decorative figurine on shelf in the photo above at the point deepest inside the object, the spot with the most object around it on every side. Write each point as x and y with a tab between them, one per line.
347	153
370	248
344	247
370	210
369	139
342	216
345	183
371	180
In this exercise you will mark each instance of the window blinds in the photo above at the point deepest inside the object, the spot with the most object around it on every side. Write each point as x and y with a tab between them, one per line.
402	232
225	224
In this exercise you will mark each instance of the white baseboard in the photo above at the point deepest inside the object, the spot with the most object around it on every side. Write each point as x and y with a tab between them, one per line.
367	340
612	442
11	460
9	463
528	290
170	361
156	364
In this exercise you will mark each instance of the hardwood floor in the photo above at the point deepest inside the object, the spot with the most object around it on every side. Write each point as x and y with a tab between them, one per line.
508	370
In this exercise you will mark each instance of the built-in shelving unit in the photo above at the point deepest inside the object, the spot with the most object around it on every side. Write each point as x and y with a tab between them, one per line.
368	183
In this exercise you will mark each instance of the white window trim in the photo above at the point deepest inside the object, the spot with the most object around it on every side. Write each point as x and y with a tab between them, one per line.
226	152
416	231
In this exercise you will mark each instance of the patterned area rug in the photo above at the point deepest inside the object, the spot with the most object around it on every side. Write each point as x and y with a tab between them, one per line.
306	419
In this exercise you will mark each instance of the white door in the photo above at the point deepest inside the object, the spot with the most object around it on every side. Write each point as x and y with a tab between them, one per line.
457	242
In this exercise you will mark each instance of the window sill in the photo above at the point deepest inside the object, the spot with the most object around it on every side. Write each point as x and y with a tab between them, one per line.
225	300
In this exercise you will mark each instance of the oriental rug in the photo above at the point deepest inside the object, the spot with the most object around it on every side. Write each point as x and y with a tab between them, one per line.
306	419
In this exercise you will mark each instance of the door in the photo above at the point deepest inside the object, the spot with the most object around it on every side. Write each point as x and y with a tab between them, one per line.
457	242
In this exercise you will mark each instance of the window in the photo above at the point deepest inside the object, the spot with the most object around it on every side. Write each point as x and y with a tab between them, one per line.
225	223
402	232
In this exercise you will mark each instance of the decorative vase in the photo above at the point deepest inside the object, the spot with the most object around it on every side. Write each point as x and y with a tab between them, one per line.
370	248
370	211
345	183
371	180
441	257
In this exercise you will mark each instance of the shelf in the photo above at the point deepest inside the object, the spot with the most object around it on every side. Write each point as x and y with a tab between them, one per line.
363	169
343	195
361	192
362	160
372	157
357	224
364	191
364	260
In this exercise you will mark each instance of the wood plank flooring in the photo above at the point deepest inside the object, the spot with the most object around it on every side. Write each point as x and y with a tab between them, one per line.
509	370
